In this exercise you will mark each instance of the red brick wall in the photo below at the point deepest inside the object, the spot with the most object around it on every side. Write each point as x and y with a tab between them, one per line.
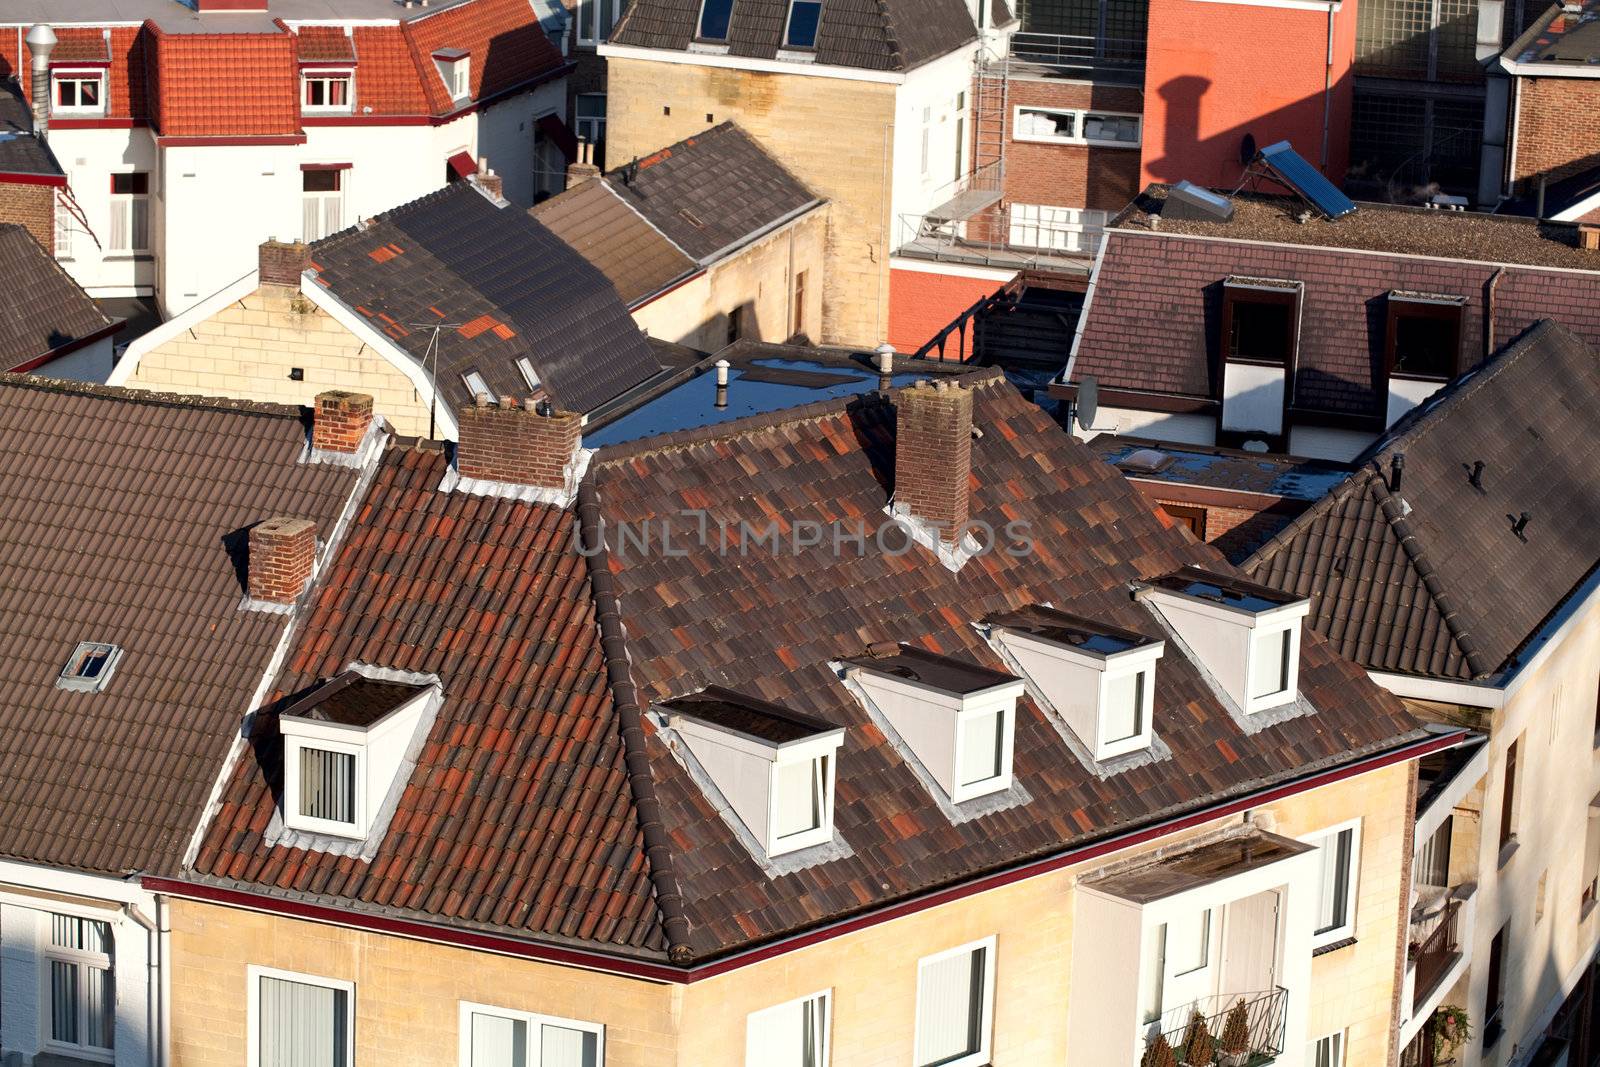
1551	138
922	304
1070	175
1217	71
507	442
34	207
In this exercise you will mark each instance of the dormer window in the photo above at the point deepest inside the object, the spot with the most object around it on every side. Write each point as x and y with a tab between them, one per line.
1260	320
455	67
1099	678
88	669
326	91
343	746
804	18
1423	339
774	767
957	718
715	16
79	92
1247	636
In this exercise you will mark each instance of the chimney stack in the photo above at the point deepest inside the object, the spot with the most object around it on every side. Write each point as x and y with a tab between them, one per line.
340	421
933	455
524	444
488	180
282	263
41	42
282	554
582	169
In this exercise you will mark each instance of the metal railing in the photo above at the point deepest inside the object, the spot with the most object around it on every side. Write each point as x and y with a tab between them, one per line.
1265	1016
1435	953
1079	51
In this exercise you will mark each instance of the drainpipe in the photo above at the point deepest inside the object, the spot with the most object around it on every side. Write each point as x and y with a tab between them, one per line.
1327	93
41	42
154	1000
1488	325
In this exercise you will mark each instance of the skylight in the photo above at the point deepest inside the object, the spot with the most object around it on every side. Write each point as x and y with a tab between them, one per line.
477	386
804	16
89	668
715	15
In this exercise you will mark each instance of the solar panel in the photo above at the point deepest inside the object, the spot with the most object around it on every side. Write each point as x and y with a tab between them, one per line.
1303	178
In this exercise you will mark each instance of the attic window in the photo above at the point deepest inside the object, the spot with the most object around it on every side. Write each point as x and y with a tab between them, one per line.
89	668
957	718
1423	337
326	91
79	92
478	386
455	68
530	377
774	767
715	15
1259	322
804	18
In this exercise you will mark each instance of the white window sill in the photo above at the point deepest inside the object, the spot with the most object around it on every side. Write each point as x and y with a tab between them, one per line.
1078	142
1330	938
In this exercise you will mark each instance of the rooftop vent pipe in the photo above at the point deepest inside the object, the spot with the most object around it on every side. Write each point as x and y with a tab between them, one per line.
41	42
1519	525
1397	469
1476	477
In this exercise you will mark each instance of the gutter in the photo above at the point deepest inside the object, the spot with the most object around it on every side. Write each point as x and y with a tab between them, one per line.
68	348
684	973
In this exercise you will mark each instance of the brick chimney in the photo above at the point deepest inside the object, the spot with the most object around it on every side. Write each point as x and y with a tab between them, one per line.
582	169
489	181
282	263
933	455
525	444
340	421
282	553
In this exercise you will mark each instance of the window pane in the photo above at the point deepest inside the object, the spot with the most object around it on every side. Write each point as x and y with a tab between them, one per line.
803	18
1260	331
1333	906
789	1035
99	1008
1425	345
328	785
564	1046
982	746
301	1025
950	997
799	801
1269	667
85	935
1189	942
319	181
498	1041
64	1002
1124	707
89	93
714	19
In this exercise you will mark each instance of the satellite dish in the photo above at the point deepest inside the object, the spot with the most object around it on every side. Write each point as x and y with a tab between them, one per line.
1088	402
1247	150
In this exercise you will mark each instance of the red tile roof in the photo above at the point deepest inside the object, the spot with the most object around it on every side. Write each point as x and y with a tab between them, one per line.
324	44
200	93
79	46
507	45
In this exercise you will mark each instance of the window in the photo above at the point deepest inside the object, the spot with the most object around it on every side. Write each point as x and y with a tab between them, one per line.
323	204
1433	864
500	1037
797	327
89	668
455	68
299	1020
1339	853
1424	337
954	1004
595	19
64	223
1508	797
1258	323
478	386
328	785
1074	126
735	320
804	17
1494	994
800	802
1193	518
1189	943
1269	663
927	135
715	15
1327	1051
130	212
79	91
1123	716
591	115
83	1003
530	377
983	744
325	92
789	1035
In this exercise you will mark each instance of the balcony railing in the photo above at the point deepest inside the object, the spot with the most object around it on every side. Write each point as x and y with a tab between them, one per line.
1435	954
1079	52
1264	1016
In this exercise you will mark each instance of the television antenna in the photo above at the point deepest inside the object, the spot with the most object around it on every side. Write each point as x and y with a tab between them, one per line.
430	366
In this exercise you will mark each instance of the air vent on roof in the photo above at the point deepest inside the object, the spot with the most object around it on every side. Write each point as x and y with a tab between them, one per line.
1188	201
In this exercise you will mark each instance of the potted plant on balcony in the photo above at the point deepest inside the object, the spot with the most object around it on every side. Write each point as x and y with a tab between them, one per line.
1199	1047
1451	1030
1158	1053
1235	1043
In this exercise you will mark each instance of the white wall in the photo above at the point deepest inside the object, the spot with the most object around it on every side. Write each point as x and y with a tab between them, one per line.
1405	395
92	363
1325	442
89	158
1132	422
933	87
1252	397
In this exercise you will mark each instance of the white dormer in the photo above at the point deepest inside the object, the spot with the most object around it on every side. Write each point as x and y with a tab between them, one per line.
1247	636
343	747
455	68
958	718
775	767
1101	679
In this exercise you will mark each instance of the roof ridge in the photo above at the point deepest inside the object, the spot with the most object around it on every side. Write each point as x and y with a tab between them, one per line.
890	38
817	410
150	396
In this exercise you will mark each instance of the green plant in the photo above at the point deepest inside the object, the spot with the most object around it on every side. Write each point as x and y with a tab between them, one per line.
1236	1031
1452	1027
1199	1047
1159	1054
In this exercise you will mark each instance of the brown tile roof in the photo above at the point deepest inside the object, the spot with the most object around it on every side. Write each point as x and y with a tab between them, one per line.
1432	580
601	228
41	308
124	516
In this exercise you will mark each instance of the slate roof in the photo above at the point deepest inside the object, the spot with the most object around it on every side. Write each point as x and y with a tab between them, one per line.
41	307
124	515
510	288
1432	580
1560	39
20	151
1151	323
602	228
888	35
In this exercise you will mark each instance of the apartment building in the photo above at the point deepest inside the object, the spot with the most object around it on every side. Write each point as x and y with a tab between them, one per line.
1457	565
1263	325
340	109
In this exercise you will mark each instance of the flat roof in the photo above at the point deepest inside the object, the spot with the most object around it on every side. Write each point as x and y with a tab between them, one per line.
1223	589
1464	235
1198	867
174	16
353	699
1073	631
957	676
747	715
1214	467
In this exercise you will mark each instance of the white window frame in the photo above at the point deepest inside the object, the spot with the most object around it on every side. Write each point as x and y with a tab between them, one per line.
587	21
1080	116
322	198
1007	709
1291	676
788	24
699	22
94	74
292	816
530	377
532	1020
1340	1048
456	75
823	779
591	128
986	1025
1346	929
754	1057
84	961
346	76
128	202
253	976
476	383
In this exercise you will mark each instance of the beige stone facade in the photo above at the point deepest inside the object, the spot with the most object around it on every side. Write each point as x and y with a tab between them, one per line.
250	349
835	134
407	993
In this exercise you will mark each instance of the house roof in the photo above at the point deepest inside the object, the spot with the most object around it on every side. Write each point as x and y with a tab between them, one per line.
602	228
1559	41
126	515
504	286
886	35
20	151
42	308
1151	322
1432	579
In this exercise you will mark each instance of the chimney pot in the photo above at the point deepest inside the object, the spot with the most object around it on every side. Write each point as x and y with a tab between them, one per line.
1397	469
933	455
282	553
582	169
340	421
282	263
509	443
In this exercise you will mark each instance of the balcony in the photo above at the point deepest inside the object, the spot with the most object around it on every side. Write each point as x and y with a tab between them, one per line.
1439	953
1245	1030
1078	56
